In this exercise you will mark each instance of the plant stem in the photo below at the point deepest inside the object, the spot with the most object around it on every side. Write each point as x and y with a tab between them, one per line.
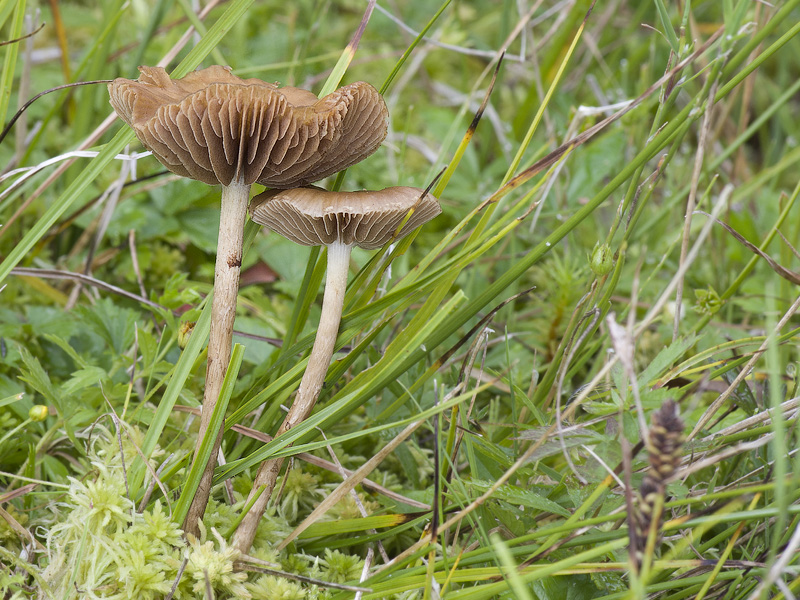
223	312
318	362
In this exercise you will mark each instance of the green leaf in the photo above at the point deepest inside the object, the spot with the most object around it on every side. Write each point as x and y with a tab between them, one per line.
214	427
522	497
575	437
84	378
574	587
11	399
148	348
114	324
67	348
35	376
353	525
669	30
504	556
665	359
178	378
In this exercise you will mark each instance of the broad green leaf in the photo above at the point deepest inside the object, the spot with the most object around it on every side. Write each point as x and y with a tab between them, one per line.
67	348
35	376
83	378
116	325
665	359
522	497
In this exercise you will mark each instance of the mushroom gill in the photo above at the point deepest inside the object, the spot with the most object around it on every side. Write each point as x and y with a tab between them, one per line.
218	128
367	219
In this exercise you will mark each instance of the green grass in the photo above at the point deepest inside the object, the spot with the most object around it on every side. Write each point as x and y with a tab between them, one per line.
495	320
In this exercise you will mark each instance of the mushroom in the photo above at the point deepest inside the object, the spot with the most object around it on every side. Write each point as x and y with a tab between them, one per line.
338	220
219	129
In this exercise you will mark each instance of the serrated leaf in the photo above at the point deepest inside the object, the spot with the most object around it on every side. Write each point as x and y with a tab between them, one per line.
620	381
35	376
572	438
67	348
83	378
521	497
517	519
655	398
114	324
630	427
47	319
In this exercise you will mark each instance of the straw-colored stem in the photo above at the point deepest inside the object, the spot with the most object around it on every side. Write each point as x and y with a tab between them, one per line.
318	362
223	312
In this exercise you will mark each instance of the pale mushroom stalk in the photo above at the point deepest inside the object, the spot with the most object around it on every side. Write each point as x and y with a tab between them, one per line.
223	313
338	220
310	386
328	330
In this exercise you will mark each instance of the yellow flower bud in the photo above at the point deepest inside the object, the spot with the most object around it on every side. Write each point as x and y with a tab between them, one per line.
38	412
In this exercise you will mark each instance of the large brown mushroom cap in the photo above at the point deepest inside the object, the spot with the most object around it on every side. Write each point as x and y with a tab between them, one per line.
313	217
217	128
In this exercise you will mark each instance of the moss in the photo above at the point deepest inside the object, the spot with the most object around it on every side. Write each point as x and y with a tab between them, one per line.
211	562
98	546
300	493
269	587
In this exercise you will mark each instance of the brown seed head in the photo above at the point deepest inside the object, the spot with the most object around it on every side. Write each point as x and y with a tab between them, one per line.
664	446
217	128
665	441
368	219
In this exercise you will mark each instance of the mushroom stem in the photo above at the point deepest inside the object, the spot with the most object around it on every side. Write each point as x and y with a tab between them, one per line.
318	362
223	312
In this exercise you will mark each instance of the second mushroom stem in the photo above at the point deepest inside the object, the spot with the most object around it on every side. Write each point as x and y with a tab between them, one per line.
223	312
318	362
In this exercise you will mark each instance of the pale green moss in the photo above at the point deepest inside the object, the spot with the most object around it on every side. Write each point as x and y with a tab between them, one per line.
339	567
207	561
300	493
269	587
99	547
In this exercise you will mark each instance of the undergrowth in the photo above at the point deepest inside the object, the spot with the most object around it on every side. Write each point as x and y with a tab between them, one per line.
619	231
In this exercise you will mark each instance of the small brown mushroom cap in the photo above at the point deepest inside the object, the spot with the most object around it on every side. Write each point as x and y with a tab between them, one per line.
368	219
217	128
